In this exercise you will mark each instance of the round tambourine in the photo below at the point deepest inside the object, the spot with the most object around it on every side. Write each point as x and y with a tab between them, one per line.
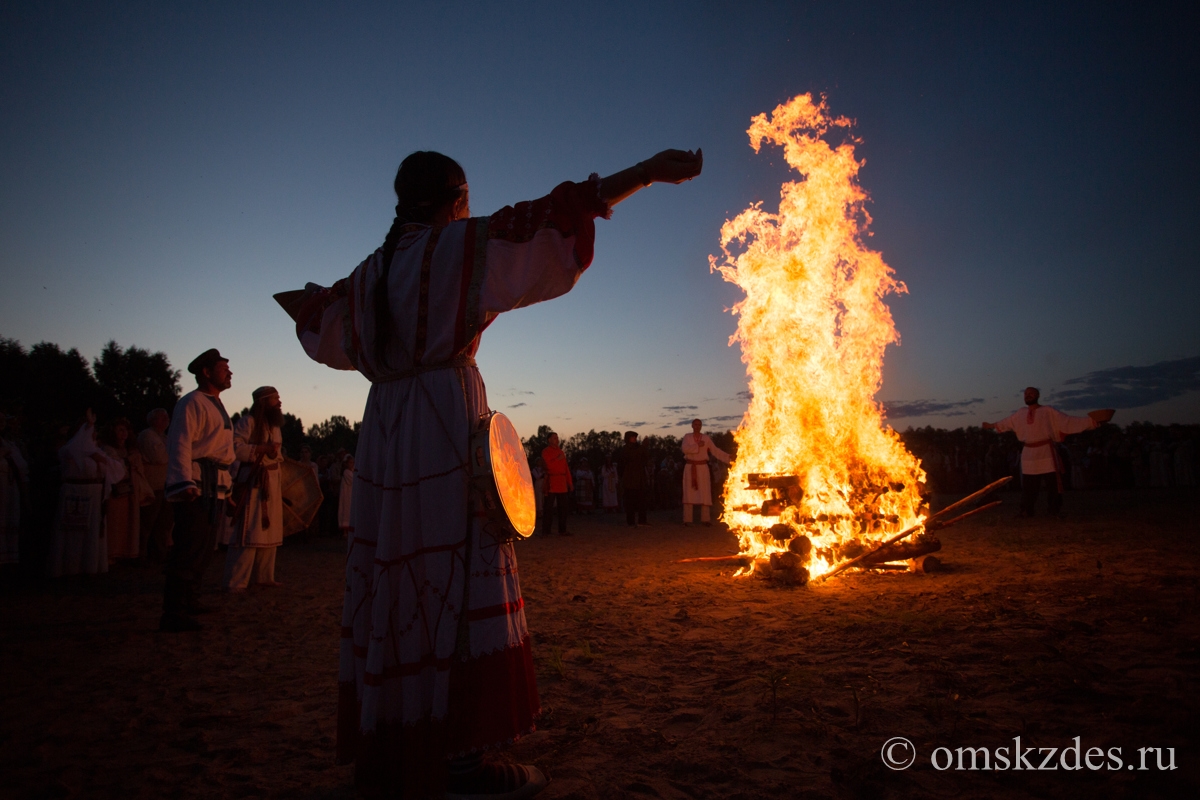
500	473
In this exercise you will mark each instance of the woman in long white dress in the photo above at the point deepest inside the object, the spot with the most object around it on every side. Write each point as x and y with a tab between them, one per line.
436	659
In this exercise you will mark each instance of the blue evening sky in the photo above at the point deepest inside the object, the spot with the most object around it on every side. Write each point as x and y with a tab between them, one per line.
166	167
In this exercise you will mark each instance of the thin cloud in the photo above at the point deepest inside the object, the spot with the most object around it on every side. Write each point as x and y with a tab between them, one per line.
627	424
679	409
902	409
1130	387
517	405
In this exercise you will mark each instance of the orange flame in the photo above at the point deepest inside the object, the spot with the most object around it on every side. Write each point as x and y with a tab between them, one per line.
813	328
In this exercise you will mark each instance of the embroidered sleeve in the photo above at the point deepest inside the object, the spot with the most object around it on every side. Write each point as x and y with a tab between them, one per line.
571	209
321	322
537	251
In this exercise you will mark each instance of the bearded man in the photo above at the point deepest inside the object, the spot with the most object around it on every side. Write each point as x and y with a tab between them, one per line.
1040	428
199	453
258	501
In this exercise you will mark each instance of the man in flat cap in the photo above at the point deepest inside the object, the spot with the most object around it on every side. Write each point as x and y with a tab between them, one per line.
257	494
199	453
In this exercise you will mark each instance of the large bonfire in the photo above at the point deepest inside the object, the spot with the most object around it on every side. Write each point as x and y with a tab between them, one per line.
817	473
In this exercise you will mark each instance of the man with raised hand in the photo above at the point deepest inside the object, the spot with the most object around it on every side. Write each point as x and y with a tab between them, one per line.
1040	429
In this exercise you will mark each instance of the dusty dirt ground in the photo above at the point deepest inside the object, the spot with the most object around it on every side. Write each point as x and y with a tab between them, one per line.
660	679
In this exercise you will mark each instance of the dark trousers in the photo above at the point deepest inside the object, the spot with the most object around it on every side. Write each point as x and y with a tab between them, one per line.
635	505
1031	485
554	500
195	539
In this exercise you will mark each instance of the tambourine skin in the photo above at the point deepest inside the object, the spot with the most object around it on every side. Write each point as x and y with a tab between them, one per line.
500	474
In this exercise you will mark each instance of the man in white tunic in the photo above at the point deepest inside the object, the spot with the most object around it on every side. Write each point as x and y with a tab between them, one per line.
258	515
78	544
697	481
199	453
436	659
1040	428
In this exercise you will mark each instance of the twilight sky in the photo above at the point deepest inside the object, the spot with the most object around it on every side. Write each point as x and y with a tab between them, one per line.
1033	173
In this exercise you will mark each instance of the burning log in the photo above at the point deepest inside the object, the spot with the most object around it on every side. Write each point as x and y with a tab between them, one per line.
991	487
786	568
925	564
918	546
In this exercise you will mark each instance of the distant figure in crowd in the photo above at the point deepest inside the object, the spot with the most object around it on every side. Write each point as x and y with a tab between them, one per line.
14	478
632	461
345	497
306	459
78	543
123	509
697	481
537	472
585	487
440	666
199	453
559	485
1040	429
257	494
157	517
609	483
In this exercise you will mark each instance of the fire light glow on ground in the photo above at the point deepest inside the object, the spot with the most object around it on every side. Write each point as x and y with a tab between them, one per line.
815	464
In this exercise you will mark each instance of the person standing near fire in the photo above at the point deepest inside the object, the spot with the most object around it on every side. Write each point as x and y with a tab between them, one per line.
258	497
436	657
559	485
697	480
1040	429
199	454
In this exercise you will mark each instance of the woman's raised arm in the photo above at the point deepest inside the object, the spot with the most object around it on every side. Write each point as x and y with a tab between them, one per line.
669	166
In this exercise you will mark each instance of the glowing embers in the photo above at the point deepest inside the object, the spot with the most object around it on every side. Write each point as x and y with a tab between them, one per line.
814	459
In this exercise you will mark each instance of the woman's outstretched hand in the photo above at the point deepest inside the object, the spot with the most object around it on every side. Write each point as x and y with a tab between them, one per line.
674	166
669	166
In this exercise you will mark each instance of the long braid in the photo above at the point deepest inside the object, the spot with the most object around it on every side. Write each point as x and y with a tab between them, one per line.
425	182
383	309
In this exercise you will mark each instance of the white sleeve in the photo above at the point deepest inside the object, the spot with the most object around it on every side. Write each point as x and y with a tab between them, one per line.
179	446
520	274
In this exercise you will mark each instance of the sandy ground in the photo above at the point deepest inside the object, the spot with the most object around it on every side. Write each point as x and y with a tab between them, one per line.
660	679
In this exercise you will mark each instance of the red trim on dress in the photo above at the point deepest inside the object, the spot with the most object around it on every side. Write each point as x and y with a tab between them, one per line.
460	321
571	209
503	609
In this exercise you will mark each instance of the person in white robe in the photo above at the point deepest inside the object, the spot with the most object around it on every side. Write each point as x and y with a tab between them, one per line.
697	480
78	544
436	658
609	485
14	478
122	511
585	488
1040	429
199	453
257	515
345	496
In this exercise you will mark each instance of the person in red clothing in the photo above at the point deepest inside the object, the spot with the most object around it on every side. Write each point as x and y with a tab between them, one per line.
559	486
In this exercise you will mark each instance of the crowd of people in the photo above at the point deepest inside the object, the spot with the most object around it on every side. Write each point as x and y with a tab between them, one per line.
97	495
632	477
